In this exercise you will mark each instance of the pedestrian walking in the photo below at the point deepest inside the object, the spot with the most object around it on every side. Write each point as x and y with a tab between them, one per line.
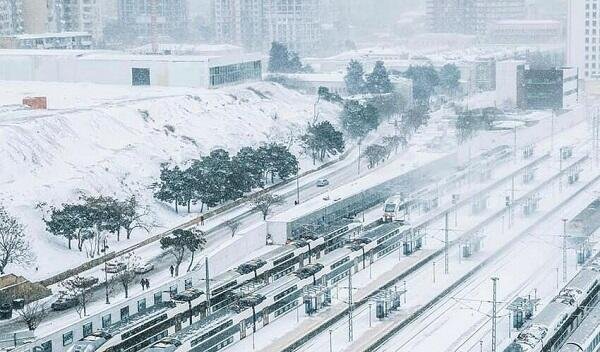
143	283
201	220
172	269
147	284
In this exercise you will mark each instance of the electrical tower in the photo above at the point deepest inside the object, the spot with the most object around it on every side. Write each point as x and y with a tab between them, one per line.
494	314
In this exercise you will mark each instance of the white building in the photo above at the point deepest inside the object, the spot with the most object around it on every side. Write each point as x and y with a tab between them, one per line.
110	67
62	40
583	42
507	82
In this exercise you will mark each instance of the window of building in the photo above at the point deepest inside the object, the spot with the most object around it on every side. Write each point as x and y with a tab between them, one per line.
106	321
157	298
141	305
140	76
125	313
87	329
67	338
46	346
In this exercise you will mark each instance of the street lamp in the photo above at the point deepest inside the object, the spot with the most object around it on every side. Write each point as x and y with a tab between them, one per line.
105	273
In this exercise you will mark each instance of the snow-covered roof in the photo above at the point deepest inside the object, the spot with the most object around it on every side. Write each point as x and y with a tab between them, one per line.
49	35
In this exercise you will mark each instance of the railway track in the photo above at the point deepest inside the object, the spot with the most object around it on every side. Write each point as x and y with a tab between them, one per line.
300	342
379	342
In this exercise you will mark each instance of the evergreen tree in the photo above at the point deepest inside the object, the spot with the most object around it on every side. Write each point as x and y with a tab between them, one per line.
450	78
378	82
249	168
278	58
375	154
358	119
425	80
323	140
355	78
170	188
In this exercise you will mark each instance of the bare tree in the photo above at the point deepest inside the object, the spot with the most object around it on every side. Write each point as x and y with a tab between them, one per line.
126	276
80	287
233	225
265	202
14	247
133	215
33	314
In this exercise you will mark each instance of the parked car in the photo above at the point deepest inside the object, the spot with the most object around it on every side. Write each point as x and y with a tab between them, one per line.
115	267
322	182
64	303
144	268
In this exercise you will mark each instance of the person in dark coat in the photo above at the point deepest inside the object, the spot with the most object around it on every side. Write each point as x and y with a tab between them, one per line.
143	283
172	269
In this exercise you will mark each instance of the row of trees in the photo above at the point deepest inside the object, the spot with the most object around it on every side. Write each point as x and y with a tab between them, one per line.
217	177
426	79
377	82
322	140
91	220
469	122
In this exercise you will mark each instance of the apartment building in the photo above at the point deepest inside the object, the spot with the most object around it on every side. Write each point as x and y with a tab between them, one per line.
583	42
303	25
471	16
11	17
74	16
171	18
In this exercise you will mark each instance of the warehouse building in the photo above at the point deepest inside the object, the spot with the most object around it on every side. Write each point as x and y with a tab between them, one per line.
111	67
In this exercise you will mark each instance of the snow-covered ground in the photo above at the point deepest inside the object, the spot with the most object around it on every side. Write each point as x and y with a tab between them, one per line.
110	140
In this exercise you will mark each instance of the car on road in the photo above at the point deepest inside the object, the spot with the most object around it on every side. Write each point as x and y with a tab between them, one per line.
64	303
322	182
144	268
115	267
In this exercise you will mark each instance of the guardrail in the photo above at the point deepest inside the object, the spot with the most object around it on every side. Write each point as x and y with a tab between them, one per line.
299	342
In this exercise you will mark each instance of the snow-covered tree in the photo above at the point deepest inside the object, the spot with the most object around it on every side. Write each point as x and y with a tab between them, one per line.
358	119
450	78
355	78
126	276
323	140
378	82
180	242
375	154
79	287
265	202
233	225
14	247
33	314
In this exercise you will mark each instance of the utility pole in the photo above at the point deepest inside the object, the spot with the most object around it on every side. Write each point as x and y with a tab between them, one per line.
552	134
446	261
515	142
560	156
298	187
207	277
359	143
564	250
494	313
350	326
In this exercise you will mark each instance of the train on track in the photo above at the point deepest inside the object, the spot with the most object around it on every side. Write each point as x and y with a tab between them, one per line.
551	326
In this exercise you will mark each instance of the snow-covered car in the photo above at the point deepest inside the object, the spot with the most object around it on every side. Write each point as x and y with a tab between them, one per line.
322	182
144	268
115	267
64	303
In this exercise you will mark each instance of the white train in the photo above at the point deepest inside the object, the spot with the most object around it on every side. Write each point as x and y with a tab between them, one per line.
558	317
395	208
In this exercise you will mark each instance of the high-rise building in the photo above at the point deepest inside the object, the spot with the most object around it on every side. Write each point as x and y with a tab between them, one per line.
11	17
303	25
170	18
471	16
35	16
583	37
75	16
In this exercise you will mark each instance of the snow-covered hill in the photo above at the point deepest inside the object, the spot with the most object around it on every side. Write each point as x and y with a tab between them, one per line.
111	140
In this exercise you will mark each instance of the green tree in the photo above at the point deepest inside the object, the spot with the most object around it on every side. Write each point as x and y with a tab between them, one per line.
355	78
170	188
425	79
358	119
278	58
375	154
450	78
180	241
323	140
378	82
